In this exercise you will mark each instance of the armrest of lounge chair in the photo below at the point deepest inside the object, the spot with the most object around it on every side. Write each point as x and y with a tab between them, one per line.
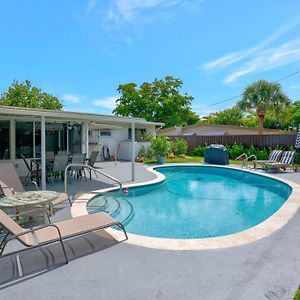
32	230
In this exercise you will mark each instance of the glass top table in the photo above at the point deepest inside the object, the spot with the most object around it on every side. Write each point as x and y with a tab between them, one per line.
31	198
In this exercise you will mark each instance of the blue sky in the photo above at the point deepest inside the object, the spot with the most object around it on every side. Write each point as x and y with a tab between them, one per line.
81	50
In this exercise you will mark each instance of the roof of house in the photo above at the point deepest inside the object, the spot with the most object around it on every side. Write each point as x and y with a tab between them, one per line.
221	127
36	113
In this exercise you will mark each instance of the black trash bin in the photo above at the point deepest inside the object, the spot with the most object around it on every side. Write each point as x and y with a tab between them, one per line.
216	154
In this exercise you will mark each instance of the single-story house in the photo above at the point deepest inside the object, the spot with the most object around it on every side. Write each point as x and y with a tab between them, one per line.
32	132
214	130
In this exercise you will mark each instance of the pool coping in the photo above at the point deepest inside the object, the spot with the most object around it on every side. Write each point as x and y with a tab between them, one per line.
276	221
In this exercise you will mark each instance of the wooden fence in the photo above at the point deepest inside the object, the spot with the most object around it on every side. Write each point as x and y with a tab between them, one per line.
259	141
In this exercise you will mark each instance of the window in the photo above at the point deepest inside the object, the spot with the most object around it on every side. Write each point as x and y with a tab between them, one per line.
24	138
105	133
138	133
4	138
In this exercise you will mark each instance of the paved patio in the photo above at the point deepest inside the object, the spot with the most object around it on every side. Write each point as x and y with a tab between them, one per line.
102	268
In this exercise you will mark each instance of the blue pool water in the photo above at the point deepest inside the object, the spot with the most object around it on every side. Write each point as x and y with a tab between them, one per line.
195	202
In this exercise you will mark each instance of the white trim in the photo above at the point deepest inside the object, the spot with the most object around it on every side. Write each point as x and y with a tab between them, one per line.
43	152
132	151
74	116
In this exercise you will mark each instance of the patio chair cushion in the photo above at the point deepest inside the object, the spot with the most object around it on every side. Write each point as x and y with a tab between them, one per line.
275	155
75	226
288	157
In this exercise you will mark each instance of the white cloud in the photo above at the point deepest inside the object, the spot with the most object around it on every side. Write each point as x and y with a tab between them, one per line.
267	60
128	10
107	102
71	98
234	57
90	5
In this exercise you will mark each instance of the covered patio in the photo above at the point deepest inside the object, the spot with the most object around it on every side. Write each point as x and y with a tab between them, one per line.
33	132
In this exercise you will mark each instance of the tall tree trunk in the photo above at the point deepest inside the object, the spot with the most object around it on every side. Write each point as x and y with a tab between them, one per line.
261	119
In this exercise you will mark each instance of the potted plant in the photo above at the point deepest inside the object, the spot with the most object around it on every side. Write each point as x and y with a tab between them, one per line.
160	147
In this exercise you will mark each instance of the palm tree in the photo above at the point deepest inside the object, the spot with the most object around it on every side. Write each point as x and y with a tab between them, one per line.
262	97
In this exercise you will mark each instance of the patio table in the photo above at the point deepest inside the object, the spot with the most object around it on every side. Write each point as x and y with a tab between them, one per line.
31	198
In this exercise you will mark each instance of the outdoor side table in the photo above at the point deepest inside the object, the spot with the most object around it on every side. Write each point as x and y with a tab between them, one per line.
27	199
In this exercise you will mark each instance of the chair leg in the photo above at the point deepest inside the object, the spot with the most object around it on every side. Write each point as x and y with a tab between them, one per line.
84	174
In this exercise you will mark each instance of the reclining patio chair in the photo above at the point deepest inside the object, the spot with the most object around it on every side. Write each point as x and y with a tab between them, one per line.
286	161
274	156
56	232
13	184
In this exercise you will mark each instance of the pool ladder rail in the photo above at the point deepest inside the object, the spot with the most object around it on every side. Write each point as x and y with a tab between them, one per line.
116	192
246	159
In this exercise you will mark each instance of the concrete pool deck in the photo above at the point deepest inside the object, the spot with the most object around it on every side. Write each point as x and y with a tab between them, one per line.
265	269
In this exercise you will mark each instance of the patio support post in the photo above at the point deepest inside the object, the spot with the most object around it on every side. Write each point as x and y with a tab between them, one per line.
12	139
67	139
33	138
43	152
59	139
87	139
132	151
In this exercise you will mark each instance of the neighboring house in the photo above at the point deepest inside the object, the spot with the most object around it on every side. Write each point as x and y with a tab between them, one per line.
214	130
32	132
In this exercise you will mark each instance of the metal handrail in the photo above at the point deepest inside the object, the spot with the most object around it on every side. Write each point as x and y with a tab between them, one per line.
252	155
92	169
240	156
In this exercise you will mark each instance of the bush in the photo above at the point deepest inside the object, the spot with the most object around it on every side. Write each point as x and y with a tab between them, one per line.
199	150
236	150
160	145
179	146
146	152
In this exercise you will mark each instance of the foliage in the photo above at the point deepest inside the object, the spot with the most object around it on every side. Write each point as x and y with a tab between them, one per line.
159	101
179	146
236	150
146	152
25	95
199	150
230	116
262	97
160	146
297	295
146	137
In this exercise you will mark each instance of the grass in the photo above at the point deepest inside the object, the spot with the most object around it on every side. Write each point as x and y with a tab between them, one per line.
189	159
297	295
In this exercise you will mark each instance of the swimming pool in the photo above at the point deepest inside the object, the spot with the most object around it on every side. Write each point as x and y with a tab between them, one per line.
195	202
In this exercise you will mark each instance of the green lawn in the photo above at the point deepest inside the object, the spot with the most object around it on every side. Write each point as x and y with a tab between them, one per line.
188	159
297	295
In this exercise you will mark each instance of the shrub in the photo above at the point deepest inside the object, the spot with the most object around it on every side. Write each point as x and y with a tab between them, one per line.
160	145
146	152
236	150
179	146
199	150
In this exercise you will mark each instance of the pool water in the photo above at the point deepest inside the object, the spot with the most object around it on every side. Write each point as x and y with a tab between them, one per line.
196	202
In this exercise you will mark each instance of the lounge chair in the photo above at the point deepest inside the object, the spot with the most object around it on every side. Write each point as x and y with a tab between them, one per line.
56	232
13	184
286	161
274	156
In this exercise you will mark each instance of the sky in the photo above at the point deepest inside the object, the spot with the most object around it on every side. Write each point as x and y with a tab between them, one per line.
81	50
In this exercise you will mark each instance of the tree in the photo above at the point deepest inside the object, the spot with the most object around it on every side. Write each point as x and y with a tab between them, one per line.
25	95
230	116
262	97
159	101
